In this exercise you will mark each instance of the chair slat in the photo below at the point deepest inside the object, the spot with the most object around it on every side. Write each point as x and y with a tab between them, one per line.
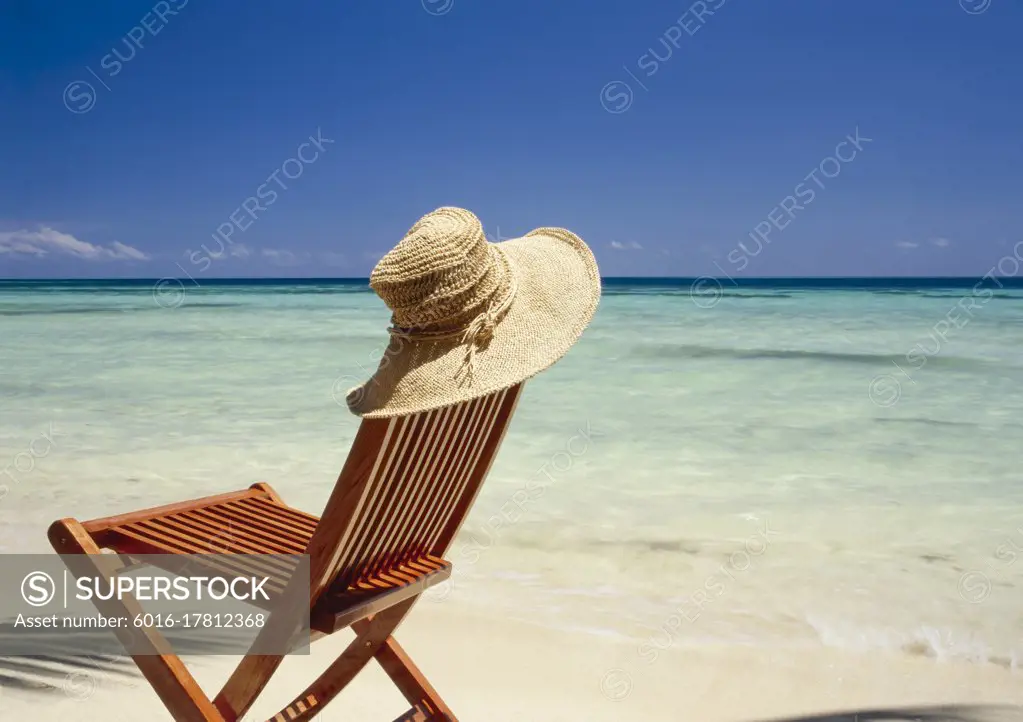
347	501
418	487
215	519
359	564
393	485
455	484
253	518
290	518
442	541
218	540
391	457
401	505
464	440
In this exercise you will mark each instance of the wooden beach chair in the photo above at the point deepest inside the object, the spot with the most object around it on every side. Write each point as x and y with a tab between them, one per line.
404	491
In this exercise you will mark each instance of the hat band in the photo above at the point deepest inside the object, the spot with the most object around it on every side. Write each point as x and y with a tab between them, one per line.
480	330
493	313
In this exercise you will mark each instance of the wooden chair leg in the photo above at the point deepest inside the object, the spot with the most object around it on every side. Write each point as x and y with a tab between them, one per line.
413	684
244	685
416	714
371	635
165	671
253	673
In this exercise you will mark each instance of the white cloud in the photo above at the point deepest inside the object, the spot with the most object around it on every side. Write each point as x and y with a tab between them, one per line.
127	252
630	246
235	250
284	258
938	242
15	246
46	240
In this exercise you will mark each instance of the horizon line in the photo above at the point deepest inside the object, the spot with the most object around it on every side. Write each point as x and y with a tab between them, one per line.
365	279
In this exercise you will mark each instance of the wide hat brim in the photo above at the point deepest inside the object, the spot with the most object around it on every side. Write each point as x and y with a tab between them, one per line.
557	292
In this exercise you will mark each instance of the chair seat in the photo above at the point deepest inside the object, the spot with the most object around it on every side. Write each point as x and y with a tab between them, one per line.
208	533
247	522
339	608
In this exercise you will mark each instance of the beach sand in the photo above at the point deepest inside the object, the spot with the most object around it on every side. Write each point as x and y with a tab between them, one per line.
490	668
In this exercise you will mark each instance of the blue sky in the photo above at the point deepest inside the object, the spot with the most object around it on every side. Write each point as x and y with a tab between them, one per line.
663	133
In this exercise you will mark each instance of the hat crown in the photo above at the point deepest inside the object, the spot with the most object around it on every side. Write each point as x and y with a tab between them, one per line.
442	274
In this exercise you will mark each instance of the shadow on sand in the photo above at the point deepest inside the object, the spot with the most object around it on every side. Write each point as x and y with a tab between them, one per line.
954	713
61	667
71	673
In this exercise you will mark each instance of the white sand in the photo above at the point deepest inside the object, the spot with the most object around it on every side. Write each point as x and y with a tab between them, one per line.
487	668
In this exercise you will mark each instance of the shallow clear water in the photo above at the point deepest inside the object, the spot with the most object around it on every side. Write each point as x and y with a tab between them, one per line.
770	465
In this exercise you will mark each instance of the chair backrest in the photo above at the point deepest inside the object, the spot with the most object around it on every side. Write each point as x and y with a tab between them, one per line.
406	488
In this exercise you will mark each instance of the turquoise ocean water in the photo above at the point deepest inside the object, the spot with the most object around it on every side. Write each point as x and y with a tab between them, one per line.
775	463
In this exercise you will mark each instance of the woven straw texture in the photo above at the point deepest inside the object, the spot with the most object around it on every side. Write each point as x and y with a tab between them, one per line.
471	317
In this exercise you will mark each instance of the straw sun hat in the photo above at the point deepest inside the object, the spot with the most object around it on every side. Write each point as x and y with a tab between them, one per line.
470	317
